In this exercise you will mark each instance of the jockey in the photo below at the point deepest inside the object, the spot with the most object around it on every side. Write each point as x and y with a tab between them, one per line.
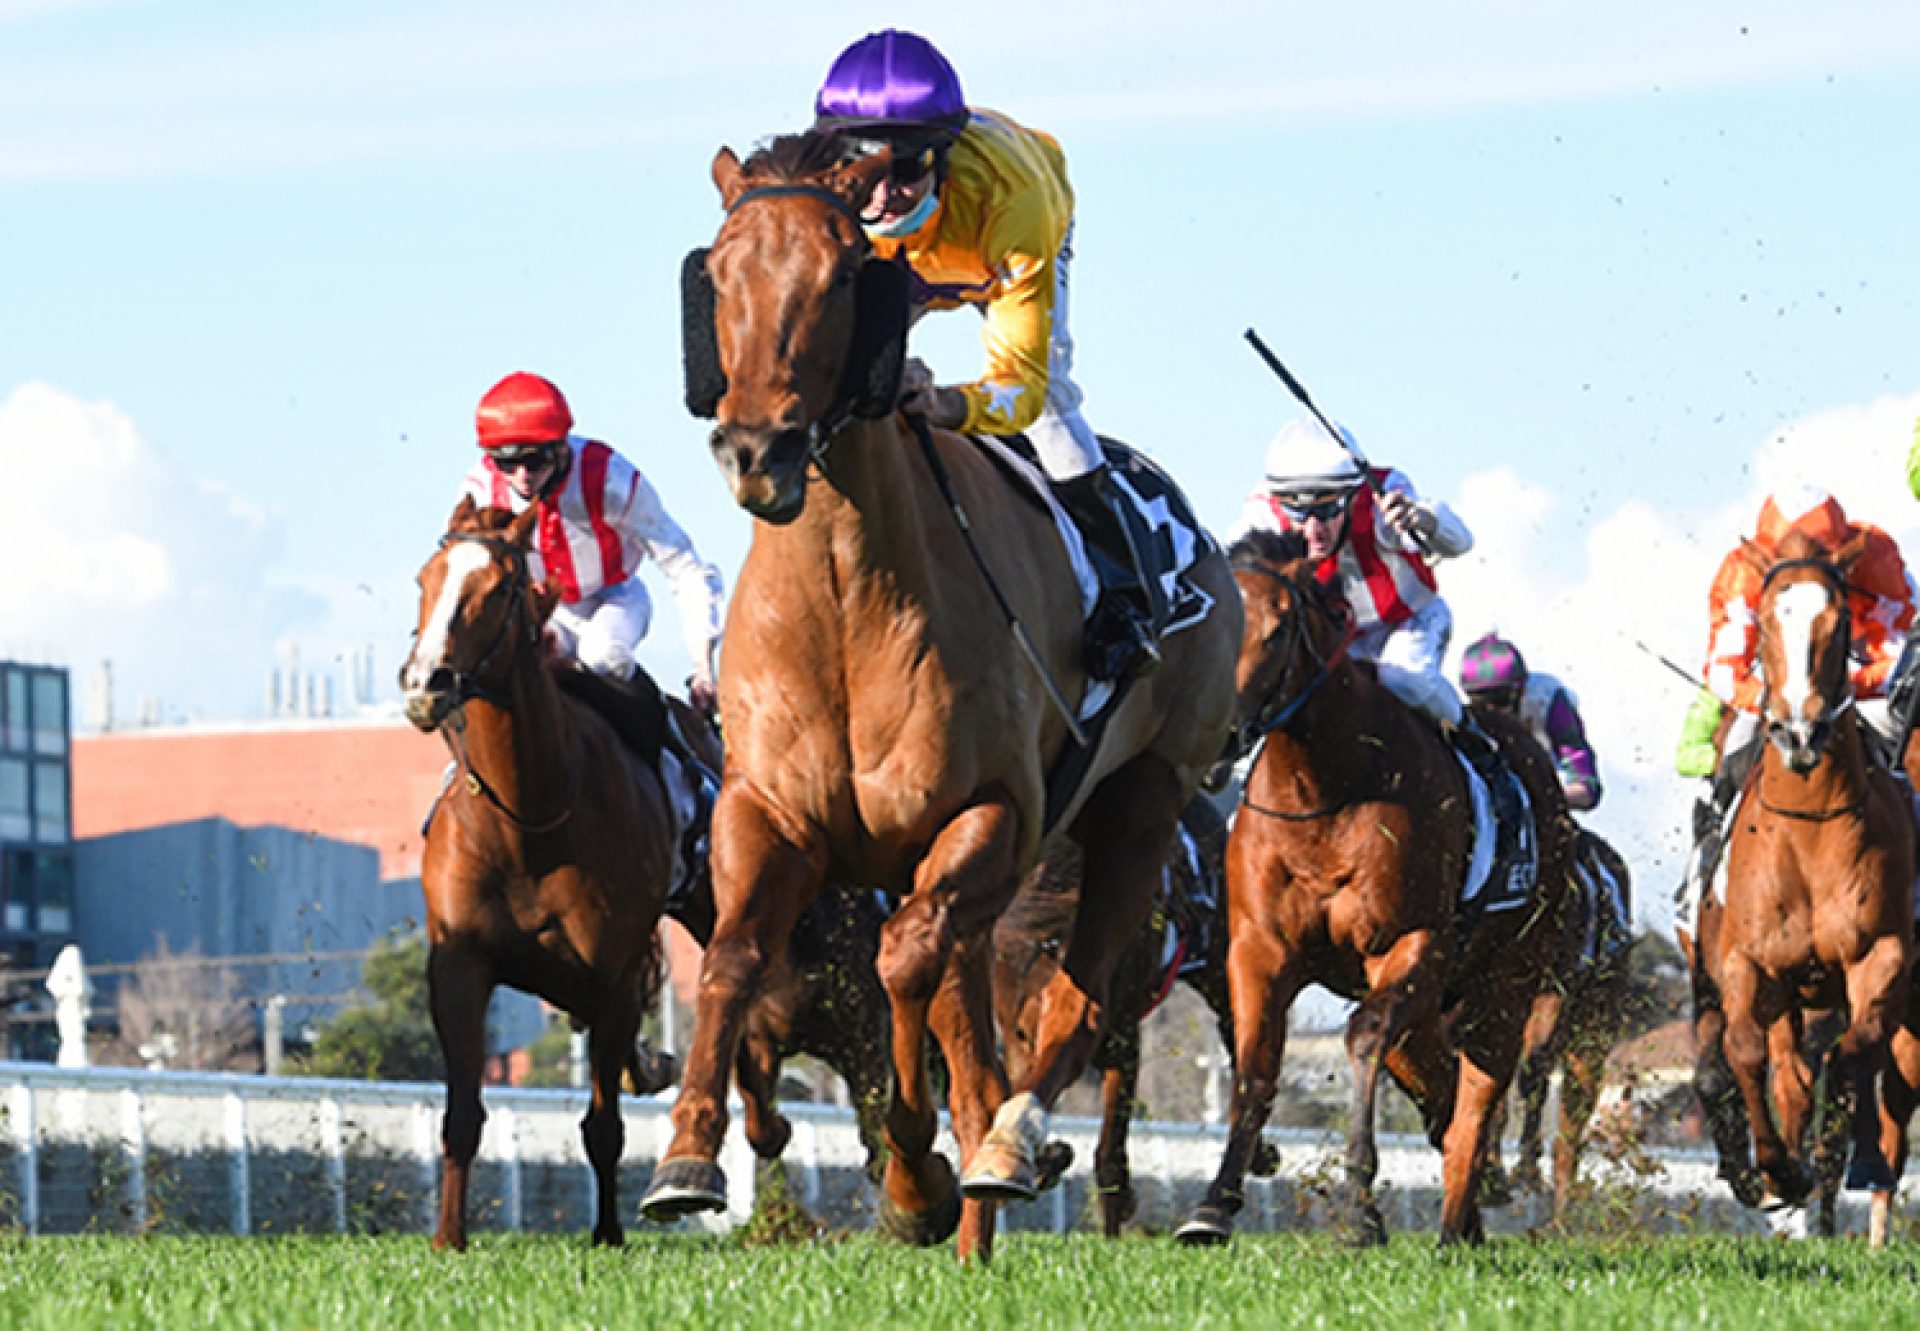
1881	598
1378	545
980	210
599	518
1492	671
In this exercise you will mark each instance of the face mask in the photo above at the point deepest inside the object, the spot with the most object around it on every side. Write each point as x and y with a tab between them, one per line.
908	223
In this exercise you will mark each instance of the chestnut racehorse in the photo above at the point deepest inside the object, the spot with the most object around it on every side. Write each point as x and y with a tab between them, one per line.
1345	868
1818	911
883	724
547	862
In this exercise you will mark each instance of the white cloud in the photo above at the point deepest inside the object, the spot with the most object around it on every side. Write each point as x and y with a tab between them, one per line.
1640	588
116	555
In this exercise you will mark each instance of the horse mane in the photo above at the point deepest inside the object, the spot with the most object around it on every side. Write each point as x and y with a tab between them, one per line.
1271	548
792	159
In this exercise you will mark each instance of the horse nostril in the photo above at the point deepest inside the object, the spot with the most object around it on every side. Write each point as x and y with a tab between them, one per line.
440	681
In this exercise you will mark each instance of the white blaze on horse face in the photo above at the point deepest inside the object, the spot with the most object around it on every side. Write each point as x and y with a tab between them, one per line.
1794	611
464	560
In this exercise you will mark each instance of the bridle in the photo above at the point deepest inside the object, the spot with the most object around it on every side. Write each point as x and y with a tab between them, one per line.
1277	709
471	683
1843	635
821	433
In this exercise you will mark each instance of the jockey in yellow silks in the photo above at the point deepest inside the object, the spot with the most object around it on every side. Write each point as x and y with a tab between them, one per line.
980	210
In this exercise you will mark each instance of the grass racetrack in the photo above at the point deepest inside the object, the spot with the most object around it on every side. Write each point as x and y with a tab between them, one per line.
858	1282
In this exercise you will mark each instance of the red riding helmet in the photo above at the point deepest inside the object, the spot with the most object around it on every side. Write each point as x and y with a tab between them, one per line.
522	409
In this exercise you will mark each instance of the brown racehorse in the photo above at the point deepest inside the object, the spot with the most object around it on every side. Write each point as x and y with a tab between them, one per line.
547	862
1577	1019
1345	868
883	724
1818	912
1028	944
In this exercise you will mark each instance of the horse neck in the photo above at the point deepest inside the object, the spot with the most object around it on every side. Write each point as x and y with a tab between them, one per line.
520	749
1316	758
864	517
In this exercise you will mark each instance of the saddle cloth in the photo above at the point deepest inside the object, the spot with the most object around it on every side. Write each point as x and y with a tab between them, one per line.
1179	541
1497	882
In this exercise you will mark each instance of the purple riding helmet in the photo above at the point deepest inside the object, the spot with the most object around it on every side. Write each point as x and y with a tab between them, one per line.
1493	666
891	80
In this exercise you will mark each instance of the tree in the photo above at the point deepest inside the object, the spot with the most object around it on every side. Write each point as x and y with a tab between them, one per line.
184	1010
388	1036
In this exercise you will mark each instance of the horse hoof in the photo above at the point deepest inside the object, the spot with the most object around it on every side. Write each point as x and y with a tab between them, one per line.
924	1229
683	1187
1869	1173
1000	1173
651	1072
1496	1187
776	1141
1746	1186
1265	1161
611	1237
1208	1227
1365	1228
1055	1159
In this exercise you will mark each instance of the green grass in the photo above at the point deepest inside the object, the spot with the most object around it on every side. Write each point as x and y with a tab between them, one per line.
677	1283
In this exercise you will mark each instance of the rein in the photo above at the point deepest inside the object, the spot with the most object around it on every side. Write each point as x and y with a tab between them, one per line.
467	685
1268	718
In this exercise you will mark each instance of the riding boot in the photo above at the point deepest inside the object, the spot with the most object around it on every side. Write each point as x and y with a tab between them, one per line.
1903	700
1710	815
1121	632
1512	828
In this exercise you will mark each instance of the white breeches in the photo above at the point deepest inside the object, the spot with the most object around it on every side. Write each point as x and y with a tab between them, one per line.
602	630
1408	656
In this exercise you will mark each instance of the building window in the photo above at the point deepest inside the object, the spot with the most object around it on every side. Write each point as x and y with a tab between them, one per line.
16	812
50	802
13	709
16	885
53	892
49	712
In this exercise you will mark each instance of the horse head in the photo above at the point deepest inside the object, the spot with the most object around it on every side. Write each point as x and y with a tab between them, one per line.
1292	636
479	609
791	325
1805	628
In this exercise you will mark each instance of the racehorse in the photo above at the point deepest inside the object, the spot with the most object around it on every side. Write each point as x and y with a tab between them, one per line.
1027	947
1818	910
1346	867
547	862
884	724
1577	1019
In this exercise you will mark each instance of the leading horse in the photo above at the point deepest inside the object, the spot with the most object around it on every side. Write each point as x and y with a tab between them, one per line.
1347	867
1818	905
884	726
547	862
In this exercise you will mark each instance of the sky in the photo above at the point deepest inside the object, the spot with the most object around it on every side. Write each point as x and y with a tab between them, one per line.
1596	276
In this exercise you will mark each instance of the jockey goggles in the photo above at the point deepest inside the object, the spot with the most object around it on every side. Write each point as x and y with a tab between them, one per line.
912	162
530	456
1304	508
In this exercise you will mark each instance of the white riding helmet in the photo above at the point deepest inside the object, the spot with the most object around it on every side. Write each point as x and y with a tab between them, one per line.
1304	459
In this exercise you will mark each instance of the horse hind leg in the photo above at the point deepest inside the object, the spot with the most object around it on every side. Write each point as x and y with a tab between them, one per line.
1110	1169
1540	1050
1404	989
459	987
610	1046
1899	1092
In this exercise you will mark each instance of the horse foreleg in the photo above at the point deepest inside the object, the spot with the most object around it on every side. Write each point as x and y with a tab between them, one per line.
1110	1169
1404	988
1745	1042
961	887
762	880
1876	1004
459	986
756	1071
1581	1070
1899	1091
610	1045
1264	976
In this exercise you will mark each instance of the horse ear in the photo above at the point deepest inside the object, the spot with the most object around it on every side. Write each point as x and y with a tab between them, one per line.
882	309
855	180
464	515
1754	557
520	530
728	177
706	382
1850	551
